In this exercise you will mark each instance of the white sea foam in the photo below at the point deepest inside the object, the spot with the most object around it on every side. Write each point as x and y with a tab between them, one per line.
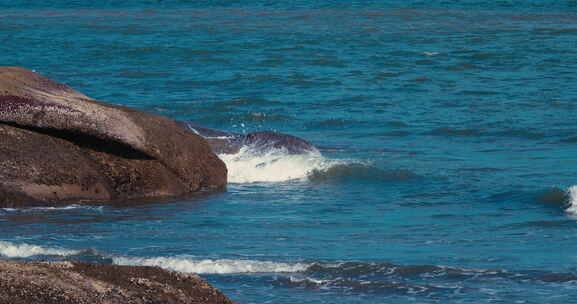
248	166
68	207
12	250
220	266
572	200
308	280
181	264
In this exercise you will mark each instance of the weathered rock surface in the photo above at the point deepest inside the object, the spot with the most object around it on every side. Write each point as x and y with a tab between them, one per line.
76	283
59	146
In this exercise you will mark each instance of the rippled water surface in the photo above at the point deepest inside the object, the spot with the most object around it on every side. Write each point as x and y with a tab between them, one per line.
447	139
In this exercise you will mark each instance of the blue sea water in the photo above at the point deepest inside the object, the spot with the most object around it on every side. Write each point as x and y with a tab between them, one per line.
446	130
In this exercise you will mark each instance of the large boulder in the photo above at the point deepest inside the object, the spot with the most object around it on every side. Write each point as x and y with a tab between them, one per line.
59	146
85	283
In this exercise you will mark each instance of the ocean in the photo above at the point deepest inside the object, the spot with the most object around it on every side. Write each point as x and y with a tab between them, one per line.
446	132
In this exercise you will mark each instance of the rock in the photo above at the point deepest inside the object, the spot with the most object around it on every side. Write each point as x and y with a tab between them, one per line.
76	283
262	142
58	146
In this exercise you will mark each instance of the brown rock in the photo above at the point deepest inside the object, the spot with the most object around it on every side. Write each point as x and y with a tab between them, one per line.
79	283
59	146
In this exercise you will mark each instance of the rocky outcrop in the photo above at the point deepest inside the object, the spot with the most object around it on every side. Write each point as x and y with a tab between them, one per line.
76	283
59	146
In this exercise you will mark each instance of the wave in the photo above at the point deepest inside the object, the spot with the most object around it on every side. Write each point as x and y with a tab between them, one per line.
412	279
68	207
571	200
210	266
350	269
12	250
364	286
180	264
191	264
556	198
276	165
357	277
566	199
355	272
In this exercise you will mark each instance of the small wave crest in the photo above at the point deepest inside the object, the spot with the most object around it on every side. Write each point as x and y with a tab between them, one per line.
210	266
564	198
12	250
571	204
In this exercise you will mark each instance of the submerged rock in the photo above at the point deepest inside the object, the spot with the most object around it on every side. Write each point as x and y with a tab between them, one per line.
75	283
262	142
59	146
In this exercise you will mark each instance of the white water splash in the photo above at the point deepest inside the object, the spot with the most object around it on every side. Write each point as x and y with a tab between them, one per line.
248	166
204	266
12	250
572	200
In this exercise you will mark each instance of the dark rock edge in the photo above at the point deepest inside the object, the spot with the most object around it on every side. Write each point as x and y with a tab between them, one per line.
79	283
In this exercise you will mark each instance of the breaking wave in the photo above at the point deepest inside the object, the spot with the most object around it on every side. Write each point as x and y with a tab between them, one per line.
566	199
276	165
210	266
571	207
440	282
180	264
12	250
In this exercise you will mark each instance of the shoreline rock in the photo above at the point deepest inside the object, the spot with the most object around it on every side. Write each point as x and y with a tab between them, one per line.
60	146
79	283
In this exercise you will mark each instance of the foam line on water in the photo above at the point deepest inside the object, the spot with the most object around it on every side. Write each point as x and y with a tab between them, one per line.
180	264
68	207
12	250
210	266
248	166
